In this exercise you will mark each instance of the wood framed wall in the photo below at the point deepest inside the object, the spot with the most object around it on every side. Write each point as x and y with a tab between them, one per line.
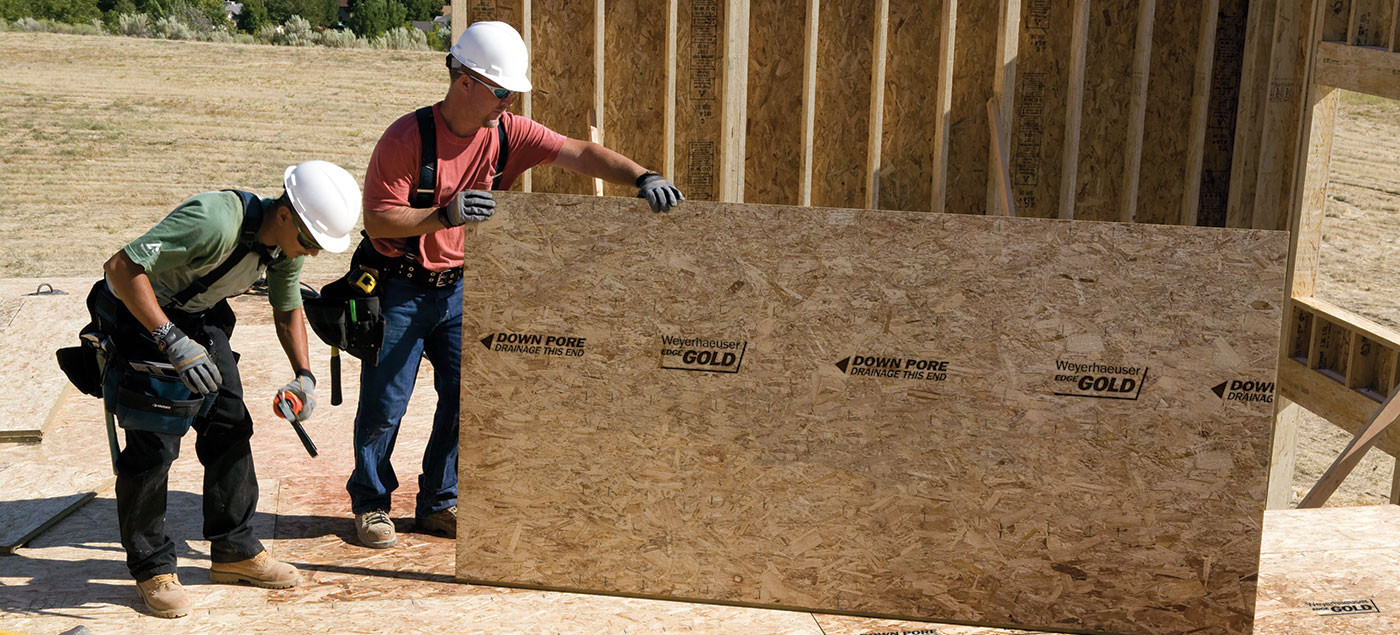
1334	363
883	103
1213	113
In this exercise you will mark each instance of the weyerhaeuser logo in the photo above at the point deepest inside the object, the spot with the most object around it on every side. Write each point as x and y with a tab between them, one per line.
1346	607
710	355
535	344
1098	380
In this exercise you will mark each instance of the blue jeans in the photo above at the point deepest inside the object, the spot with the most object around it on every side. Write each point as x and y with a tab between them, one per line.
419	322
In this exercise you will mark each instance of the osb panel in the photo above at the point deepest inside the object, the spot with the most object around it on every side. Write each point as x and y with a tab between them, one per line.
1330	571
844	625
699	91
1038	116
974	64
1221	111
30	381
634	85
772	169
1372	19
973	493
1331	529
907	158
561	68
841	138
43	482
1351	592
1336	17
1103	126
509	11
1165	130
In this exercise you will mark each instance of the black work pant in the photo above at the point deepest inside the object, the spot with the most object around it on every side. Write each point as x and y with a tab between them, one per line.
143	466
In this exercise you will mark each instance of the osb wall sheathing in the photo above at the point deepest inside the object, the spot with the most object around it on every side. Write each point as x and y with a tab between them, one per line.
562	74
907	156
699	96
1175	39
1105	121
598	456
776	64
1225	78
841	142
974	65
1038	119
634	85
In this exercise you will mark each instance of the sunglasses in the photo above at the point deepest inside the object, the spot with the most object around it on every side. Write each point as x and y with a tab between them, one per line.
306	241
500	93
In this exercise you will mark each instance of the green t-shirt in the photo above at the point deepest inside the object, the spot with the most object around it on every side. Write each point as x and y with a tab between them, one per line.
195	239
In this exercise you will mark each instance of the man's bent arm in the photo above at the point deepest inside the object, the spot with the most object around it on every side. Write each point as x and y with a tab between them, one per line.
133	288
291	332
401	222
593	160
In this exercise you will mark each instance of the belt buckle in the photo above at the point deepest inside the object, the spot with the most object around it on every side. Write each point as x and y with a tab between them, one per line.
441	279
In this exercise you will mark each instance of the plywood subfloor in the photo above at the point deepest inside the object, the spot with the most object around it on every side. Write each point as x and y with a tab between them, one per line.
978	483
32	327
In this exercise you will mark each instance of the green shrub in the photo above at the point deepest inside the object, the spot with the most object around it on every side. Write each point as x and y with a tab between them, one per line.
267	33
134	25
243	38
4	25
68	11
401	38
340	39
170	28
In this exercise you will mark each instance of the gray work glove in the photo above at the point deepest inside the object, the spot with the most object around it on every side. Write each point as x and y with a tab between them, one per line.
468	206
304	388
658	192
191	361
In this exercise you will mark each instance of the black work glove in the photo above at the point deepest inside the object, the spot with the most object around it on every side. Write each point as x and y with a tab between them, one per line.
304	388
658	192
468	206
191	361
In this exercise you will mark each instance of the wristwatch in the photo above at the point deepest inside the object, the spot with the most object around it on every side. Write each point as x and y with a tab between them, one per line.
161	331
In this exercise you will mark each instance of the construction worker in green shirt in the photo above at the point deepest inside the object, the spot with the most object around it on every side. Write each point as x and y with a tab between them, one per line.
163	310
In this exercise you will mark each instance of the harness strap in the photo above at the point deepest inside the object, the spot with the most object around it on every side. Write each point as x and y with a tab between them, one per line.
426	193
248	231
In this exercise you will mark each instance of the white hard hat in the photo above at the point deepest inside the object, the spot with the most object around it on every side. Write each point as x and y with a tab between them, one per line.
495	50
327	199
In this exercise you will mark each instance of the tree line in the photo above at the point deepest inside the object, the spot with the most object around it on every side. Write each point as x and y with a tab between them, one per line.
368	18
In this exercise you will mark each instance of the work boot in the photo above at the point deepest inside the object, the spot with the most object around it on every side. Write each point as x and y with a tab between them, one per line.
163	595
443	523
260	570
375	530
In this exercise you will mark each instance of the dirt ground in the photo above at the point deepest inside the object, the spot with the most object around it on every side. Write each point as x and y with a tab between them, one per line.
101	136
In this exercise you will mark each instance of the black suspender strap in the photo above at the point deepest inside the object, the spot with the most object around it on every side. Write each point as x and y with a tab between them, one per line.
248	231
501	155
424	196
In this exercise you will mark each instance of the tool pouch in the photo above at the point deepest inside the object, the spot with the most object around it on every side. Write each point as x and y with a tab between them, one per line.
153	403
348	313
79	363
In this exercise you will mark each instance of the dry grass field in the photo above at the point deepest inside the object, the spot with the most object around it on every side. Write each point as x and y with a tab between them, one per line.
101	136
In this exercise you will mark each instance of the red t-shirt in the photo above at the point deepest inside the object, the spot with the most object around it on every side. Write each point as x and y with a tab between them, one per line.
464	163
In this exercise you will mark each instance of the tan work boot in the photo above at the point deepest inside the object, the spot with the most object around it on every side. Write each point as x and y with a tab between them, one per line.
163	595
260	570
375	530
443	523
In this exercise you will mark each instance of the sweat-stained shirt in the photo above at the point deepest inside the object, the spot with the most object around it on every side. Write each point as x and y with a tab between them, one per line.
464	163
194	239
